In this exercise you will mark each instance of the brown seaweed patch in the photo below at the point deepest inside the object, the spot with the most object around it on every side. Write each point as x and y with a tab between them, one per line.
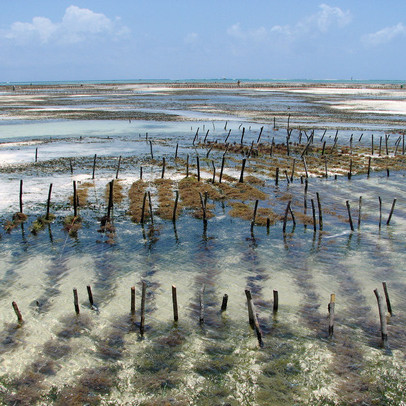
136	196
118	195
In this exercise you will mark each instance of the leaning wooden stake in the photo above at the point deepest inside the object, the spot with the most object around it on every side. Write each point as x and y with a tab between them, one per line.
90	294
175	207
391	212
349	215
150	207
48	201
224	303
175	304
143	208
252	318
388	304
76	300
143	296
314	216
369	166
382	318
241	180
331	308
118	166
17	312
222	169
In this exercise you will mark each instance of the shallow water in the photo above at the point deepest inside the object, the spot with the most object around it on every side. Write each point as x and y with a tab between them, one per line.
99	357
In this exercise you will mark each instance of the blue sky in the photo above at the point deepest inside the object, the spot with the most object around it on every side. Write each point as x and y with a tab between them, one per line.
179	39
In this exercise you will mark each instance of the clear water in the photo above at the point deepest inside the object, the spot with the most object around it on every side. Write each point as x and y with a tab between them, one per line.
99	357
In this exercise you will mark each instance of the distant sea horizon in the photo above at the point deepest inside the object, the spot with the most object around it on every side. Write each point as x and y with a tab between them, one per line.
214	80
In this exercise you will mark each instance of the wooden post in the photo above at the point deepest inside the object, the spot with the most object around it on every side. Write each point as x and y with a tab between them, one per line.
314	215
143	296
75	200
359	212
110	204
391	212
21	196
201	306
293	170
380	211
140	172
380	145
175	303
198	168
150	148
372	144
143	208
36	154
176	151
275	301
276	176
48	201
260	133
349	215
71	166
305	166
325	167
203	203
222	168
90	294
197	133
150	207
17	312
132	301
242	171
331	308
214	172
118	166
76	301
207	133
242	136
255	214
369	166
163	168
175	206
224	303
350	172
324	147
320	211
386	144
94	165
229	132
382	318
252	318
388	304
187	165
285	219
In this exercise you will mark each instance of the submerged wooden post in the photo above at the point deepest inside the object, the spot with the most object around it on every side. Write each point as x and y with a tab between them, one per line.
241	180
359	212
143	208
314	215
276	176
48	201
175	304
201	306
176	151
382	318
349	215
94	165
252	318
75	200
203	203
90	294
36	154
143	296
17	312
369	166
388	304
275	301
21	196
150	207
331	308
254	214
76	301
285	219
118	166
224	303
380	211
132	310
391	212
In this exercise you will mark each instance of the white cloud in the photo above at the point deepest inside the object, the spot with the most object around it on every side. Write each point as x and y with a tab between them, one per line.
77	25
385	35
320	22
191	38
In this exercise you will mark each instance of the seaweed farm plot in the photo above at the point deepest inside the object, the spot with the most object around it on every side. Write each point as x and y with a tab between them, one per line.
202	263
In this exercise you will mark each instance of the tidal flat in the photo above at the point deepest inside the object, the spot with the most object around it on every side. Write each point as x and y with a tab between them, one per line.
216	189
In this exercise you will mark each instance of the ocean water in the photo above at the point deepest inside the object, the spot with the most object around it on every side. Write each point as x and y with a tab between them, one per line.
100	355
